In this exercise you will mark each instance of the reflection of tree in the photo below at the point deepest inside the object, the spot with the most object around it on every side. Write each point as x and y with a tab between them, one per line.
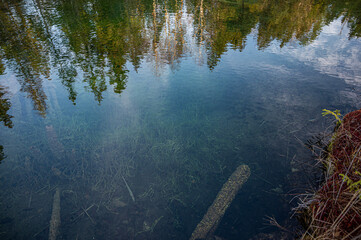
4	108
167	31
2	67
352	16
220	24
21	45
350	12
61	59
228	23
103	37
77	22
2	155
223	23
290	20
99	37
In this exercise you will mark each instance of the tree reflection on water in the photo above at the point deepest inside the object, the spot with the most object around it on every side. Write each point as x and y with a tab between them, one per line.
175	147
98	38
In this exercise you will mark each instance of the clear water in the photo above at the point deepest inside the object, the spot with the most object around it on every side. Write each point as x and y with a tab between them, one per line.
172	96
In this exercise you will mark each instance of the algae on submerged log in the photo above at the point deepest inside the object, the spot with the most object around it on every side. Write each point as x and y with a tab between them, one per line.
225	196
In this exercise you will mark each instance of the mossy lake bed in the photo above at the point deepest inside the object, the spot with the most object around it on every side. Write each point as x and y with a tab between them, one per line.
124	119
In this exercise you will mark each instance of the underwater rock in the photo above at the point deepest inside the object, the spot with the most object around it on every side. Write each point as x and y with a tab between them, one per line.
225	196
116	203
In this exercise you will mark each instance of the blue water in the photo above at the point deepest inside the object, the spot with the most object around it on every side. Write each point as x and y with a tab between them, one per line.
189	108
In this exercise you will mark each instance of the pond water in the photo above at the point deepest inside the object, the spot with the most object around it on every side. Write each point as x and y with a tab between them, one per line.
138	111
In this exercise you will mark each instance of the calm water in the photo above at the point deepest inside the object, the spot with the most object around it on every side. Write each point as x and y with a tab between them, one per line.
169	97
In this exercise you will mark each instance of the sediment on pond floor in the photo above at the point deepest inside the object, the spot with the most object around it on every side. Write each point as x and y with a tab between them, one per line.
334	210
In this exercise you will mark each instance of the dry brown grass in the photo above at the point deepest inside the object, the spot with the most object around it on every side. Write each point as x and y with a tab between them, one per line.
334	211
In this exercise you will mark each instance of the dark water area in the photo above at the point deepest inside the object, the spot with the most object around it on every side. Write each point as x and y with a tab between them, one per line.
139	111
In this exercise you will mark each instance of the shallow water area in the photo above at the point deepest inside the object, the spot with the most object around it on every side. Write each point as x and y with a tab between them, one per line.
137	112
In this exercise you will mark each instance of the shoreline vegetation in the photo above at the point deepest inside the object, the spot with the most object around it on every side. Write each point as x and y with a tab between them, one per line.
334	210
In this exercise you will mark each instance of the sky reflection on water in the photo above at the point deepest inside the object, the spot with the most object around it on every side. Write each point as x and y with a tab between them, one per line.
171	96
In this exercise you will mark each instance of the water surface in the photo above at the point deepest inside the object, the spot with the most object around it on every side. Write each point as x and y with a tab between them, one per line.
169	97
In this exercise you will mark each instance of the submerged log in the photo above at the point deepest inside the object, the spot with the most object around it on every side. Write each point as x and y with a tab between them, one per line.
56	147
206	228
55	217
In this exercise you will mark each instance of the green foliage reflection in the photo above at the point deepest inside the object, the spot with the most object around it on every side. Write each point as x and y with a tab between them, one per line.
2	155
4	108
95	39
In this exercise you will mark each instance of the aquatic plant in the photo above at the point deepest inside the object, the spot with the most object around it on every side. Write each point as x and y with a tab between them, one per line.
335	113
352	185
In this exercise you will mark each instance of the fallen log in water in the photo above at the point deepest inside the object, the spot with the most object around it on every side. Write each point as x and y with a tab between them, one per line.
55	145
55	217
215	212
